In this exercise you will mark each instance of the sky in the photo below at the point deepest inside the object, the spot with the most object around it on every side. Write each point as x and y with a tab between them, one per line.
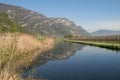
92	15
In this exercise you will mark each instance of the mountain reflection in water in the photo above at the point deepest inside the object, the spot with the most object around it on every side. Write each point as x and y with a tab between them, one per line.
61	51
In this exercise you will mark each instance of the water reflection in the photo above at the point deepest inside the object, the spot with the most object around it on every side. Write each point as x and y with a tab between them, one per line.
63	50
71	62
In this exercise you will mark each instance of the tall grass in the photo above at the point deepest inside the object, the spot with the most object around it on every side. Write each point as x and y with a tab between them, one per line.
7	52
17	50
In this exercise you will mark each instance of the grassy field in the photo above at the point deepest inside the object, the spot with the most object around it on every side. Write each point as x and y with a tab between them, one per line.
109	45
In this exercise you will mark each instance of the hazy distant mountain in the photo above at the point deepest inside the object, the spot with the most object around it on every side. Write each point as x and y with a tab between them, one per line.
38	23
105	32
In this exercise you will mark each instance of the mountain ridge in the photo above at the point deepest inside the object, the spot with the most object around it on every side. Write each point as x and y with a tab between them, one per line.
105	32
38	23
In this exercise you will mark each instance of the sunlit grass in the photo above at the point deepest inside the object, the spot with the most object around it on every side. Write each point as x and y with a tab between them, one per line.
110	45
17	51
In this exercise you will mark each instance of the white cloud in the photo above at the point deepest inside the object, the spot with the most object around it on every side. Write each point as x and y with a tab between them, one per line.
102	25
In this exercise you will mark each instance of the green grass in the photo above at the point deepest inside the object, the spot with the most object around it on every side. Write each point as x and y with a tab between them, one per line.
58	40
108	45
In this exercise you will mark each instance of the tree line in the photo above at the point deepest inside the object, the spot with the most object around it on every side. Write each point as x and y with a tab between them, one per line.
112	38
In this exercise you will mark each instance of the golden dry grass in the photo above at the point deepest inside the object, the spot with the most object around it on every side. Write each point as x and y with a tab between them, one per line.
18	50
6	75
27	43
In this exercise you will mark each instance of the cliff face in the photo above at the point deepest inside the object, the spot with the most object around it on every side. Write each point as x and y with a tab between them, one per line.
38	23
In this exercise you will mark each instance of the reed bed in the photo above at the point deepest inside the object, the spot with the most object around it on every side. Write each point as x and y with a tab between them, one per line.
17	51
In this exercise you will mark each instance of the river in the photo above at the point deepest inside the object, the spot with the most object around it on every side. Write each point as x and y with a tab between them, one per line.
71	61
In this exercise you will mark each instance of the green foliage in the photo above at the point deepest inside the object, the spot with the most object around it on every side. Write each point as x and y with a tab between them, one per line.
70	35
57	40
9	25
41	38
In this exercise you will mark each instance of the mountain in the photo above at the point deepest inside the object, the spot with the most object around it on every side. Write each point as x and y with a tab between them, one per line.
9	25
38	23
105	32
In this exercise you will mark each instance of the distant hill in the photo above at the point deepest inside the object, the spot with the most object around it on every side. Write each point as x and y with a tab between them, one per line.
105	32
38	23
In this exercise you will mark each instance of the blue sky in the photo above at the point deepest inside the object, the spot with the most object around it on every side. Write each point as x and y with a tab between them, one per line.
91	14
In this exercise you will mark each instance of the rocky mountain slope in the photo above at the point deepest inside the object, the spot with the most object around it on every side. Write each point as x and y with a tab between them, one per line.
9	25
38	23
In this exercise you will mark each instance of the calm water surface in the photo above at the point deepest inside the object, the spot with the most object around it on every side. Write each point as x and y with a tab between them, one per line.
77	62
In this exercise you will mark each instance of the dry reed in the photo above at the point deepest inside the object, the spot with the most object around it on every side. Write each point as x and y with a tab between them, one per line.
17	51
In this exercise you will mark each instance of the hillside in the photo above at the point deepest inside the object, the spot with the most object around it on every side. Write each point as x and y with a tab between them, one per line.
38	23
18	48
105	32
9	25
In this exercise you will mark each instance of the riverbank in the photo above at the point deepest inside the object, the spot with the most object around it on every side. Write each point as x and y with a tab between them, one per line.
18	50
108	45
